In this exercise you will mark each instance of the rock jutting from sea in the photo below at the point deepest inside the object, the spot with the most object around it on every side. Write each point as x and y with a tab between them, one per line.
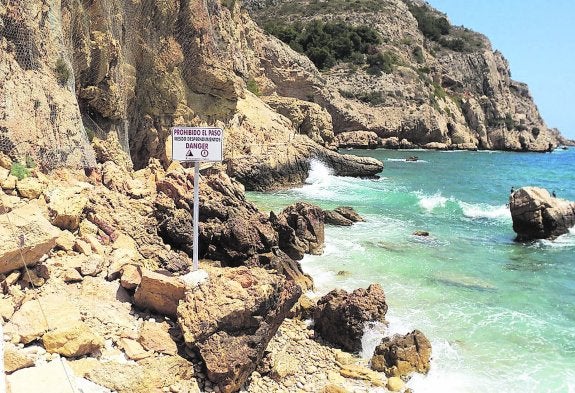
537	214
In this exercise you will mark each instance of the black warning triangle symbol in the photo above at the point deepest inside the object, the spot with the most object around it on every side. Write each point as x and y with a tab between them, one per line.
189	154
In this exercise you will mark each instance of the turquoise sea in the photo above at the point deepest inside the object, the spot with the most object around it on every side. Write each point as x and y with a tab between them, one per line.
500	315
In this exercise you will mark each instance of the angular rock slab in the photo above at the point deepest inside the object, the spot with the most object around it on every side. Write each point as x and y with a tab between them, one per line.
230	320
159	292
29	226
54	377
400	355
29	323
538	215
340	317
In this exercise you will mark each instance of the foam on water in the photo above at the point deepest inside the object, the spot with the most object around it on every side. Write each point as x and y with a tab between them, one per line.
431	202
481	210
564	241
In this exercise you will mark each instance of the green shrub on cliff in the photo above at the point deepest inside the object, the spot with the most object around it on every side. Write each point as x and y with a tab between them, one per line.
381	62
431	25
253	87
19	170
62	71
326	43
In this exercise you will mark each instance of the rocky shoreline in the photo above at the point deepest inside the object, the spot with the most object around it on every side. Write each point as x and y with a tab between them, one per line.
97	290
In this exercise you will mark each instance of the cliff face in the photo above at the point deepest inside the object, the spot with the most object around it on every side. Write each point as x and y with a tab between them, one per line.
449	89
136	68
72	71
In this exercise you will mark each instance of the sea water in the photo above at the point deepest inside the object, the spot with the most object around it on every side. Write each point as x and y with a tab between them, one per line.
500	315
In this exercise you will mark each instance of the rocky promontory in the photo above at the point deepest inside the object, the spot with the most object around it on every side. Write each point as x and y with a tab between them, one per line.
537	214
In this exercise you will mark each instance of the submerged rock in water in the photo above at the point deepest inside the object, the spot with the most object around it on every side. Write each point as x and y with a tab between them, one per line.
340	317
538	215
401	355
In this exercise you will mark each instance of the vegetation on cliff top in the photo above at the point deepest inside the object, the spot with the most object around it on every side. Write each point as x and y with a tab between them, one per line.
325	43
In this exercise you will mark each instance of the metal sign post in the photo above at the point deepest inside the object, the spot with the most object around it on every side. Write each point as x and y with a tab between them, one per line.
197	144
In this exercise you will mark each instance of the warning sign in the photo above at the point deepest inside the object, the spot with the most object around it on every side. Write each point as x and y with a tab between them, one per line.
197	144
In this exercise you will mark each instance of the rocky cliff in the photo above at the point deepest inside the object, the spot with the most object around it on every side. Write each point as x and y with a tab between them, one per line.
438	85
77	71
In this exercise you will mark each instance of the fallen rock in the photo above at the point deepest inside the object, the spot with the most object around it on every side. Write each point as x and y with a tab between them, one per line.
331	388
131	276
284	365
66	241
15	358
159	292
30	187
356	371
66	209
334	218
72	275
395	384
349	213
538	215
301	229
155	337
29	324
400	355
72	340
147	375
35	236
340	317
6	308
52	377
133	349
230	320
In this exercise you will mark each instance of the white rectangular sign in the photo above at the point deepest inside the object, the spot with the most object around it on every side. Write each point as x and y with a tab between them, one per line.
197	144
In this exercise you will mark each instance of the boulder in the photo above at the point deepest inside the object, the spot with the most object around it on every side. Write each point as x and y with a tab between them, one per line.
72	340
131	276
538	215
155	337
334	218
356	371
15	358
153	374
35	236
133	349
159	292
29	323
342	216
66	208
30	187
230	319
340	316
349	213
400	355
301	229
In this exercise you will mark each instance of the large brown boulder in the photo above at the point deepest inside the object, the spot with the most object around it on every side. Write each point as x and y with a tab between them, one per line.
400	355
538	215
232	230
301	229
342	216
230	320
340	317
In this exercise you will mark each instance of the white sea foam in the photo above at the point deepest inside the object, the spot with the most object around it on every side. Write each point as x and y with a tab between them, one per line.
564	241
372	335
481	210
319	173
431	202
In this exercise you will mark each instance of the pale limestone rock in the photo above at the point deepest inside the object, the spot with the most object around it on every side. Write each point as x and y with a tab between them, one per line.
4	173
92	265
47	378
159	292
133	349
72	275
28	322
155	337
30	187
87	228
15	358
131	276
95	244
32	229
144	376
9	183
72	340
331	388
66	241
66	209
284	365
82	247
355	371
6	308
395	384
5	161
